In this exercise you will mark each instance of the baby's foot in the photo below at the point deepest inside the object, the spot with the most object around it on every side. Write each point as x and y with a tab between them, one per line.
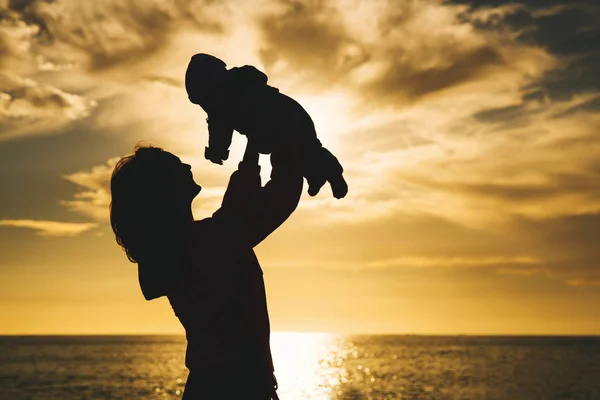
339	187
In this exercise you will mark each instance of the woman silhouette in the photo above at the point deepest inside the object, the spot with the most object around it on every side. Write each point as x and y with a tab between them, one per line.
207	269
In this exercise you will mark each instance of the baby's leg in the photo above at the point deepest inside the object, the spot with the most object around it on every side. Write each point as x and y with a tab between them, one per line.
314	173
320	166
333	172
302	127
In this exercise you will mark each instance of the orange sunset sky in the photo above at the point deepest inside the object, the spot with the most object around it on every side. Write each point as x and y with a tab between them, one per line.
469	132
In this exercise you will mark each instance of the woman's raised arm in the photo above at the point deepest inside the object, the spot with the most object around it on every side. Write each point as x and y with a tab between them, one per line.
249	212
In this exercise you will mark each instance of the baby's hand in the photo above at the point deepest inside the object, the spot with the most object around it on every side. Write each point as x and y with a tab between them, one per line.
220	133
216	156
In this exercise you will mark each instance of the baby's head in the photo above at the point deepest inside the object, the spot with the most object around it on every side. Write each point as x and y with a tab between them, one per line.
204	80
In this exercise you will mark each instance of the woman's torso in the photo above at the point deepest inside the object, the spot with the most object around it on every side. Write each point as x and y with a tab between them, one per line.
224	312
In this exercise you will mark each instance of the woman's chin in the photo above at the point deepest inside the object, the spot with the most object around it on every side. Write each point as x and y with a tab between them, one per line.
195	190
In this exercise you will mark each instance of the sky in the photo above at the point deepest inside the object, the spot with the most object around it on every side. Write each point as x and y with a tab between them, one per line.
468	130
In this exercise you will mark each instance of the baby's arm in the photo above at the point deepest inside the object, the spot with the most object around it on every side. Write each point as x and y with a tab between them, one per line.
220	133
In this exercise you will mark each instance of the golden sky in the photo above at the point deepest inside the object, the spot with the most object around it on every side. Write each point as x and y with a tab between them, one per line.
469	132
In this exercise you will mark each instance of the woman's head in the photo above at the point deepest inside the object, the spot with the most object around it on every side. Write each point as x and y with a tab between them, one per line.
152	192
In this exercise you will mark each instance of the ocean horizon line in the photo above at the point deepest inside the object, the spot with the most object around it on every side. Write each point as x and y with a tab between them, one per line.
507	335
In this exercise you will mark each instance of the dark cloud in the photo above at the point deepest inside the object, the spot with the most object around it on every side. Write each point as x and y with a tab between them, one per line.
108	32
584	185
505	117
569	244
562	248
516	181
311	38
591	105
403	237
463	65
26	9
112	32
564	237
575	35
570	31
16	36
529	3
428	62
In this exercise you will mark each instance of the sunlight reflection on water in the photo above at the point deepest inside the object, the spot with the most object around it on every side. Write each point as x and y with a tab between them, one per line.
303	364
335	367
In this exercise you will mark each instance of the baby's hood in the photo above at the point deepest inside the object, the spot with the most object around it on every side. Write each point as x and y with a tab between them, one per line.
247	76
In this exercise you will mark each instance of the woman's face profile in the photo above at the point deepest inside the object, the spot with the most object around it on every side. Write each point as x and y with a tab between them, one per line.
182	178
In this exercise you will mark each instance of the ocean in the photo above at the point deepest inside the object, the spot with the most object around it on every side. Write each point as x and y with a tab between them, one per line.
312	366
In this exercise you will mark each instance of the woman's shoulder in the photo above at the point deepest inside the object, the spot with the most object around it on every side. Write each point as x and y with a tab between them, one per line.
206	234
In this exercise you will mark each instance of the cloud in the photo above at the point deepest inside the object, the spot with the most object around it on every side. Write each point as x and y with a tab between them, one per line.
425	48
93	196
559	249
309	38
524	271
16	38
27	106
569	30
110	32
70	57
584	282
30	104
507	263
544	167
49	228
165	80
442	76
455	262
387	53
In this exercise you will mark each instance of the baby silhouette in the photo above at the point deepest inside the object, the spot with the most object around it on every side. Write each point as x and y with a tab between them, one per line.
240	99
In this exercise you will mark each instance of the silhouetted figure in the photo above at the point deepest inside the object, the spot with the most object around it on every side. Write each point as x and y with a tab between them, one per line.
240	99
208	269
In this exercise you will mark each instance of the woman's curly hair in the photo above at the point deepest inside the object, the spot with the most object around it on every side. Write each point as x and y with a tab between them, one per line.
143	201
